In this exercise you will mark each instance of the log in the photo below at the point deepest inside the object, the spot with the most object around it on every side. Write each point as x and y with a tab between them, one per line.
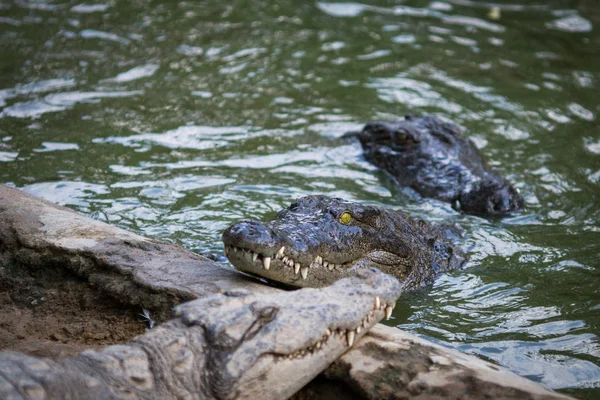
389	363
386	363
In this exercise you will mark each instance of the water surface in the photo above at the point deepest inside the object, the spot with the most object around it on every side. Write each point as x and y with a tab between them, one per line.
176	119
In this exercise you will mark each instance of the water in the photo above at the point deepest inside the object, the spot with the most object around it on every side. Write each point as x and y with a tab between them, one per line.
175	120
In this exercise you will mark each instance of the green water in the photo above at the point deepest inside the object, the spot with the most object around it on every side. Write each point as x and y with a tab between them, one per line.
175	120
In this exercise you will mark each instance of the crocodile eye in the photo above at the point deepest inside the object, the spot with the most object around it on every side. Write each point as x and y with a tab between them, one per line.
404	137
345	217
268	314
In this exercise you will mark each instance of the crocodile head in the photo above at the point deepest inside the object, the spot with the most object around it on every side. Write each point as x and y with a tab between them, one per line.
430	156
318	240
269	346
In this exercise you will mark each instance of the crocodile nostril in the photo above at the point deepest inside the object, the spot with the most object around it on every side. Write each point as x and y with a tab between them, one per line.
252	232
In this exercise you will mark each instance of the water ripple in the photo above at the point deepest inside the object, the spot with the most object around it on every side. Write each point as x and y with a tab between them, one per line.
66	192
60	102
95	34
184	137
133	74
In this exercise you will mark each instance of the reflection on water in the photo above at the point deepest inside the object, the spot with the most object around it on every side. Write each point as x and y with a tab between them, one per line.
177	119
58	102
188	137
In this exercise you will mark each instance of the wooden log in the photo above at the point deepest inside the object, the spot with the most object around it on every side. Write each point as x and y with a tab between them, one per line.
386	363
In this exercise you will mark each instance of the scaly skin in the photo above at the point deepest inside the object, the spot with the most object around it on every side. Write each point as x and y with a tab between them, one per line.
431	157
236	345
309	244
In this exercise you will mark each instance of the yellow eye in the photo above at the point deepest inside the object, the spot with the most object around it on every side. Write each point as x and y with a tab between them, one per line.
345	217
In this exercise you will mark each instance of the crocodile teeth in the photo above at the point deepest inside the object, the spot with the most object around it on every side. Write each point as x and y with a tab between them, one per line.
318	259
350	336
297	268
304	272
377	302
254	256
284	259
267	263
318	345
328	332
358	329
291	262
227	250
325	263
331	266
280	252
388	312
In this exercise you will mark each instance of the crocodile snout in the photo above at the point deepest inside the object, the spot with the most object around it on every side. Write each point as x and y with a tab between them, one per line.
379	132
250	234
493	198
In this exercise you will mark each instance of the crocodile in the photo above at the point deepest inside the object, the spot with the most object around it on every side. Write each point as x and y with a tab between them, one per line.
232	345
318	240
431	156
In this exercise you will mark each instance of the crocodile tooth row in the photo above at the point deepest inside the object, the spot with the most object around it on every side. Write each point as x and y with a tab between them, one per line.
298	268
266	261
286	260
290	262
348	334
330	266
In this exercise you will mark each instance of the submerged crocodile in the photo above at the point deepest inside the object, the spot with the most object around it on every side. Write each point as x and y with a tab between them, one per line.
430	156
224	346
318	240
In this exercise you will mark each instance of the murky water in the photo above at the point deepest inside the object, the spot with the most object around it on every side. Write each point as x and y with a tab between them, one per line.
176	119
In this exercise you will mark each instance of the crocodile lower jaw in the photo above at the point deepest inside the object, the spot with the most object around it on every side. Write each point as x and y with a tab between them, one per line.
265	261
348	336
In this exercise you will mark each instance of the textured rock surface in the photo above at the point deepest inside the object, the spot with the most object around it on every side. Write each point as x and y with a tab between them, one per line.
136	270
393	364
50	312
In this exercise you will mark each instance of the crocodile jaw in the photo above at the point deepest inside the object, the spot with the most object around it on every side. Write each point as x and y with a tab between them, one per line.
283	268
270	370
319	273
269	346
